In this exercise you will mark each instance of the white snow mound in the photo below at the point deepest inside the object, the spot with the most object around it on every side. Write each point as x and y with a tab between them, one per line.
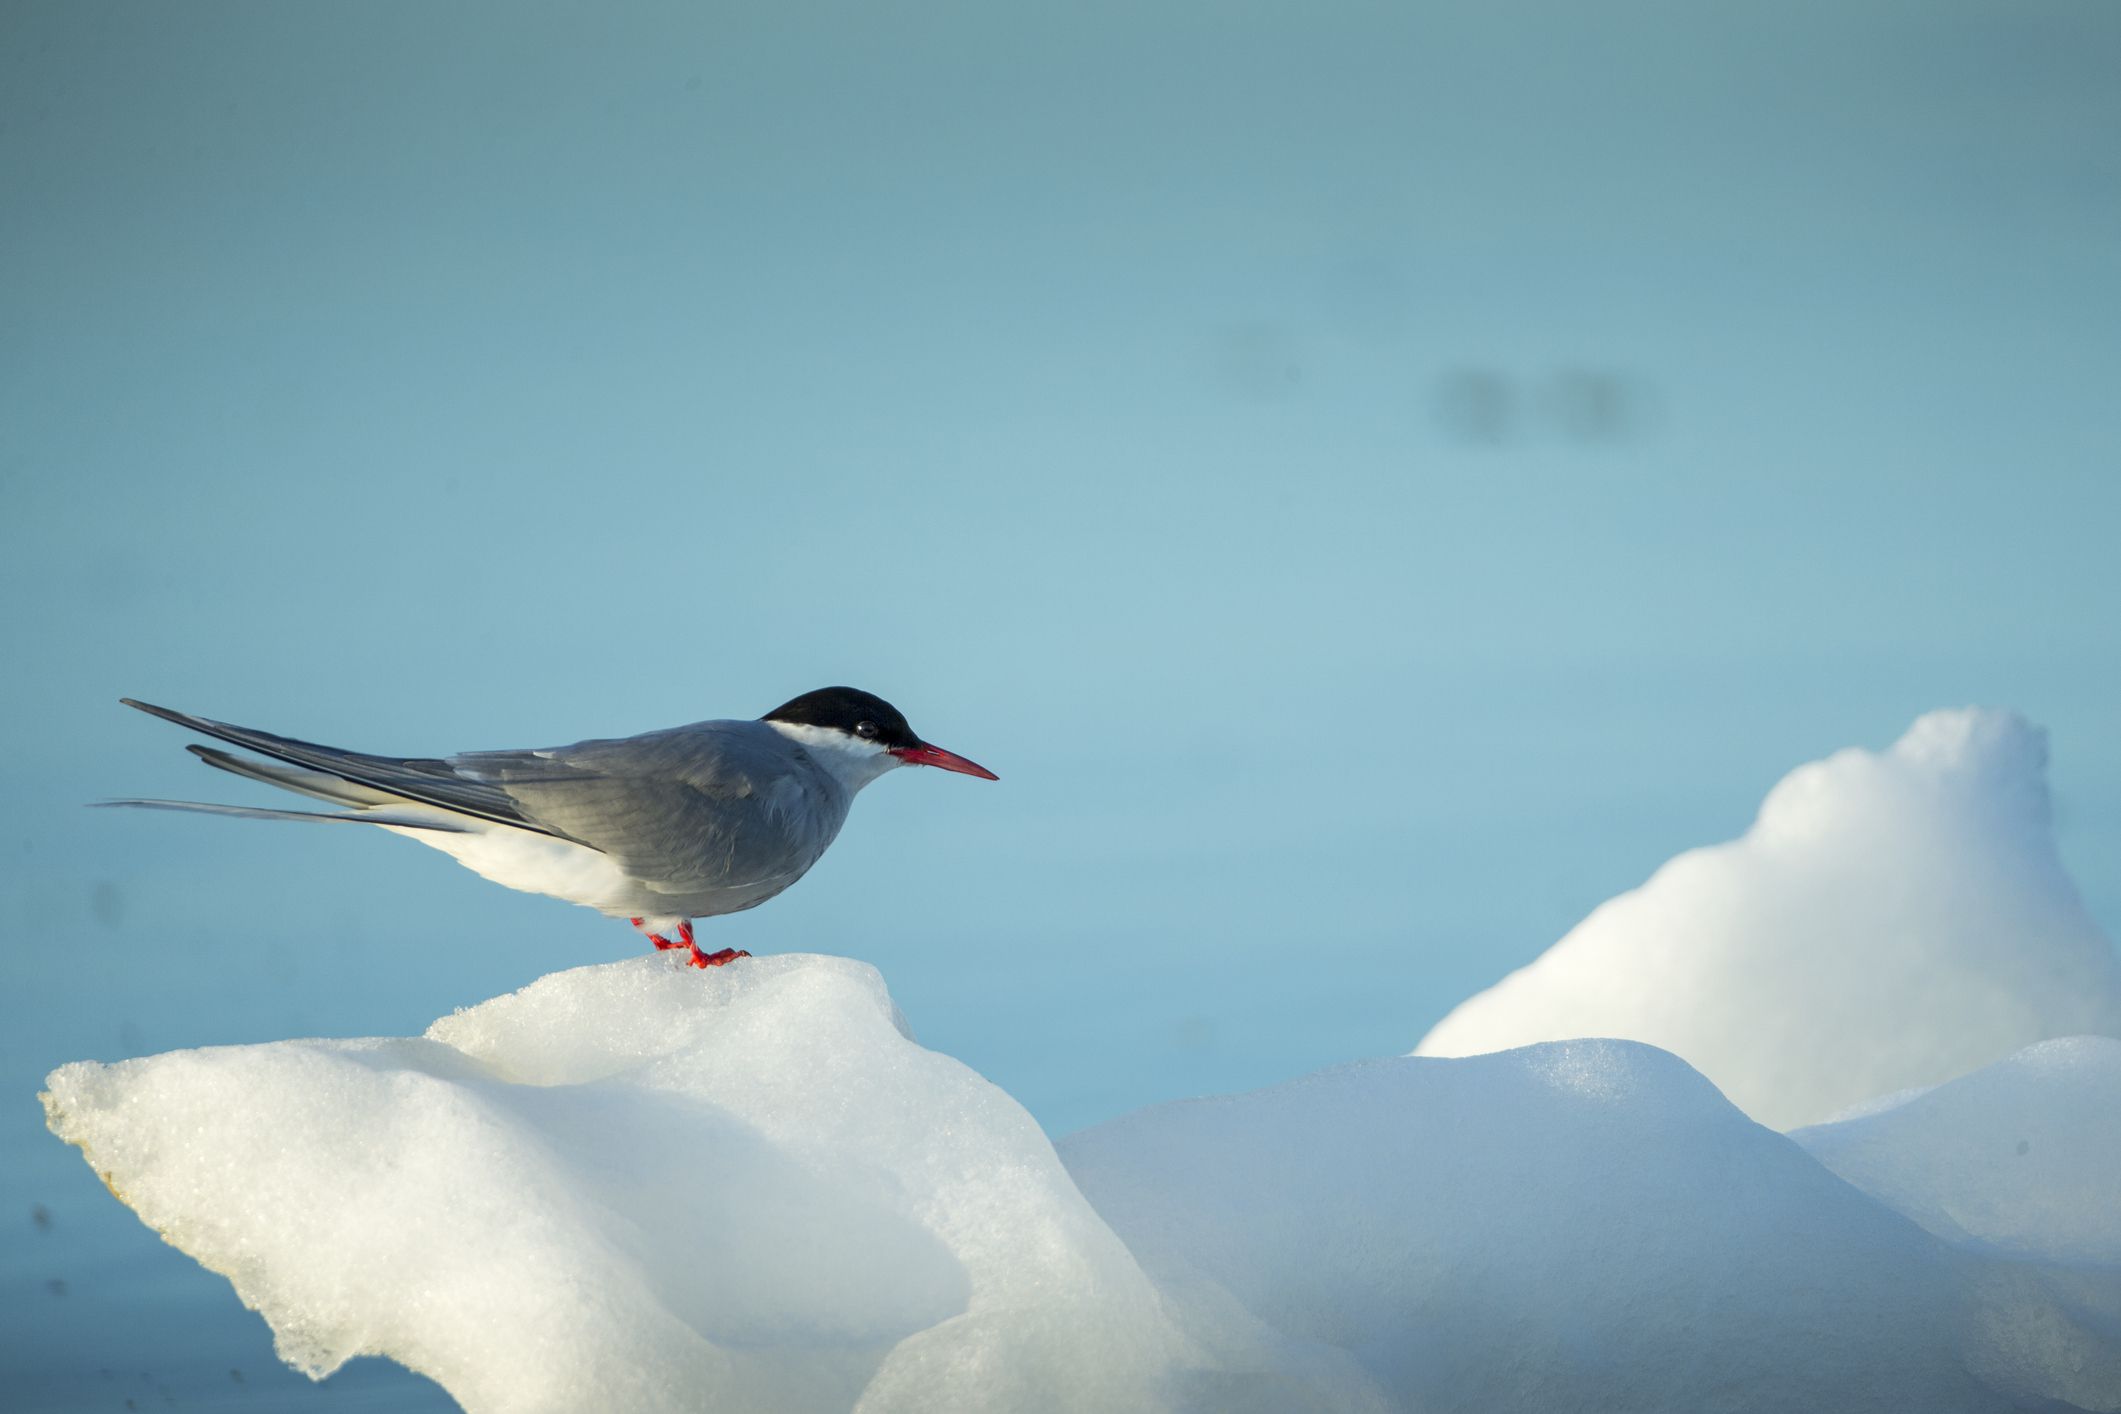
1587	1225
1889	921
640	1187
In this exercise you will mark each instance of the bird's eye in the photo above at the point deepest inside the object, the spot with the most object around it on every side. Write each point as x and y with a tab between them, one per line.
865	730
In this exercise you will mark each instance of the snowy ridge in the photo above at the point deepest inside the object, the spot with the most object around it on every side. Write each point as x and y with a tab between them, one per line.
1891	920
2020	1157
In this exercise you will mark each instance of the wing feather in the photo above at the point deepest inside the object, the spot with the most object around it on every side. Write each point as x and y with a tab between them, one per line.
252	812
426	780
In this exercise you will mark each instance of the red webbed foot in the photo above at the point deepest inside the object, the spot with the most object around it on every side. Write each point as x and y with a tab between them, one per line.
684	940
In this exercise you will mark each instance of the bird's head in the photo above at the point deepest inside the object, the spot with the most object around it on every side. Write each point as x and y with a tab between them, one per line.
860	736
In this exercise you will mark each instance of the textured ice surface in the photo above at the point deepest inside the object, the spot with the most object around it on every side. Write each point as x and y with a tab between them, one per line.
1890	920
642	1187
1583	1225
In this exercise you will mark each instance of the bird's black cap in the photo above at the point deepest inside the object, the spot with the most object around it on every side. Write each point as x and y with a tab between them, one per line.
851	710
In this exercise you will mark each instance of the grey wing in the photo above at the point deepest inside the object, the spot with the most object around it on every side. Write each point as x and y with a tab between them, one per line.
712	807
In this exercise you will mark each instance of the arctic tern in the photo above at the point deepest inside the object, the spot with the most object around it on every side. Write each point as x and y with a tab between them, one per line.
658	829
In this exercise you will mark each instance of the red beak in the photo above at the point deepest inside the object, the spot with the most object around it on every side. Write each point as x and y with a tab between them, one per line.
926	755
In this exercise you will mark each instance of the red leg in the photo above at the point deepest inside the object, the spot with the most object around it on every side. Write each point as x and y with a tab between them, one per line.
664	944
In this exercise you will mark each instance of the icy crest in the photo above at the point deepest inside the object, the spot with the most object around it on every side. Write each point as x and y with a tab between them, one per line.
1890	920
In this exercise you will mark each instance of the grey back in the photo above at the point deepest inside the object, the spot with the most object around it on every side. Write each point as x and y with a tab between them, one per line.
713	817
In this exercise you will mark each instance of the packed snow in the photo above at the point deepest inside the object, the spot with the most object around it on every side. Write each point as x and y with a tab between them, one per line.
642	1187
1891	920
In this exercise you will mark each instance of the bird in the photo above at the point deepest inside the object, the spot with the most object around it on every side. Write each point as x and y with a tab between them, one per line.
659	829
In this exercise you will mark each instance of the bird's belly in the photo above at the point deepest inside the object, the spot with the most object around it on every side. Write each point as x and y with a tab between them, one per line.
538	864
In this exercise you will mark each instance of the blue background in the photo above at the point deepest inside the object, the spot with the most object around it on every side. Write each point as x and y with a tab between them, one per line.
1374	480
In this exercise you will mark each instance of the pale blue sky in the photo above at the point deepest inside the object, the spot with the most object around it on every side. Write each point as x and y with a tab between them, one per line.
1375	480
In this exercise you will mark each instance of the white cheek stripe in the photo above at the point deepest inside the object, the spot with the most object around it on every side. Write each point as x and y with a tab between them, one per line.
853	762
